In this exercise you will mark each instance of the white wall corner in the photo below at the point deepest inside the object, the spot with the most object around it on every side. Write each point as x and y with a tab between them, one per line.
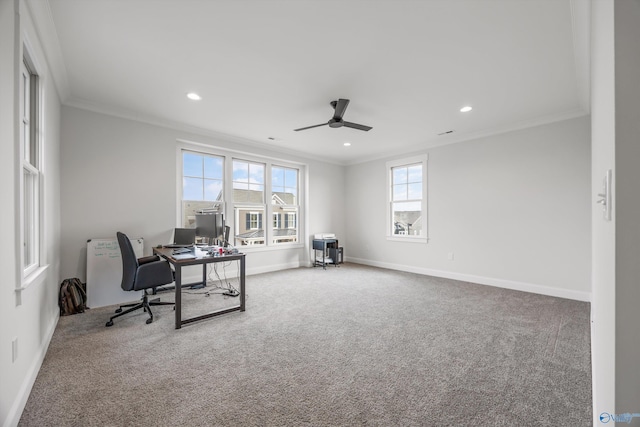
581	32
42	17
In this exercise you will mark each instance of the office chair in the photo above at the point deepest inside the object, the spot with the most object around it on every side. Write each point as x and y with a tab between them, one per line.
139	275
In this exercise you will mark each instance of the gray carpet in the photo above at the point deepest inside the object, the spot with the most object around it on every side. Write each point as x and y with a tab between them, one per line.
353	345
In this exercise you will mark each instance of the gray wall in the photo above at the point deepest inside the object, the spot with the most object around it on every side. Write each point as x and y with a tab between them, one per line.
603	116
616	243
513	208
30	315
120	175
627	205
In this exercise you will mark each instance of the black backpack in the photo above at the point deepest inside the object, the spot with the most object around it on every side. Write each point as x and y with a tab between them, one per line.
73	297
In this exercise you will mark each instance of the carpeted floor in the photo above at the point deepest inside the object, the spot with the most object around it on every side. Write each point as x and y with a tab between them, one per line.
353	345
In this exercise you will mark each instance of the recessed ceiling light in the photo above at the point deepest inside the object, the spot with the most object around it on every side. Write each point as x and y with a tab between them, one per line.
465	109
194	96
347	144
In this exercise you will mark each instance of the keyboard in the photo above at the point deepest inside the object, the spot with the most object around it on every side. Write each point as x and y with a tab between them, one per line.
182	251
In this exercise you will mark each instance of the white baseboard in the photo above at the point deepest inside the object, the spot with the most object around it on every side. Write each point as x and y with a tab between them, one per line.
491	281
13	417
274	267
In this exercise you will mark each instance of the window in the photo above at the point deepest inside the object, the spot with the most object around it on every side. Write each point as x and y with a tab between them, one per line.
260	200
202	185
284	202
254	220
30	183
248	199
407	198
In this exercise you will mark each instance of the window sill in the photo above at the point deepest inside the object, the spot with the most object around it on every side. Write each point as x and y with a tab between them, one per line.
34	278
408	239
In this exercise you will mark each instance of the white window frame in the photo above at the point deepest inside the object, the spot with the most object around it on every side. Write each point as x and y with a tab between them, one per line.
284	218
30	215
255	221
216	205
255	209
229	207
290	216
408	161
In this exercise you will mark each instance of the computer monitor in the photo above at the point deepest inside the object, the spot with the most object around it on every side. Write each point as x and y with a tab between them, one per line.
184	236
225	242
210	226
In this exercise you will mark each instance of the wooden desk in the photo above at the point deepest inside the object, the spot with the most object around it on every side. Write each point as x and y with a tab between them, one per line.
201	259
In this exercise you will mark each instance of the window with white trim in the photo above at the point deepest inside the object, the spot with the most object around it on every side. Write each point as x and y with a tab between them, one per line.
240	187
30	154
284	202
248	202
407	198
202	185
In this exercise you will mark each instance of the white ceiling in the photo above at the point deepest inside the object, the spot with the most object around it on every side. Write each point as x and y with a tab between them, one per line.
266	67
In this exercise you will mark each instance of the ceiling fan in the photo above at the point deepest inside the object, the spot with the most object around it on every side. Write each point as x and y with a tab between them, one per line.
336	121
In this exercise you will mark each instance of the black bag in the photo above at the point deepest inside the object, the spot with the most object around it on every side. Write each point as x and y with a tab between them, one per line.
73	297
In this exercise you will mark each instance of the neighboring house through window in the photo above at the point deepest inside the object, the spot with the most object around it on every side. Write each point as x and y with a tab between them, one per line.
248	199
202	185
407	197
240	188
284	202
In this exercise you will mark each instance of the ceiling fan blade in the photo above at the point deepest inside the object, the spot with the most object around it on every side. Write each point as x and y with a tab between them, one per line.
341	106
310	127
356	126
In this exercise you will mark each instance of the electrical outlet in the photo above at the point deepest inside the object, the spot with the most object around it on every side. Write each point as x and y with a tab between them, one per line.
450	256
14	349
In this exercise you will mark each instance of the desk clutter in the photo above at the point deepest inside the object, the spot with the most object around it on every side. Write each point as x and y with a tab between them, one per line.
327	250
195	251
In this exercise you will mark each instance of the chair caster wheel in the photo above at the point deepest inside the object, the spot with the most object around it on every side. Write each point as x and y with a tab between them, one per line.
118	310
149	321
109	323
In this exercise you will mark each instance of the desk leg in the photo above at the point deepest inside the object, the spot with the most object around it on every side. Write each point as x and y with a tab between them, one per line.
242	288
178	306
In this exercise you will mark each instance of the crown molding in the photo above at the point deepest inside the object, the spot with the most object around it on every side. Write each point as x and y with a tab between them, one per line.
195	130
463	137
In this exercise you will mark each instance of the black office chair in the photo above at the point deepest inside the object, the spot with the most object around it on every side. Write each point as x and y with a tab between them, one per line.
139	275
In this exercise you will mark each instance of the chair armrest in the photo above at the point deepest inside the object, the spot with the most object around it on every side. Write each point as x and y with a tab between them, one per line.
148	259
153	274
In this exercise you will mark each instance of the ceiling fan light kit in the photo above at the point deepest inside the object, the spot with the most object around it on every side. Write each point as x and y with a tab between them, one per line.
336	121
